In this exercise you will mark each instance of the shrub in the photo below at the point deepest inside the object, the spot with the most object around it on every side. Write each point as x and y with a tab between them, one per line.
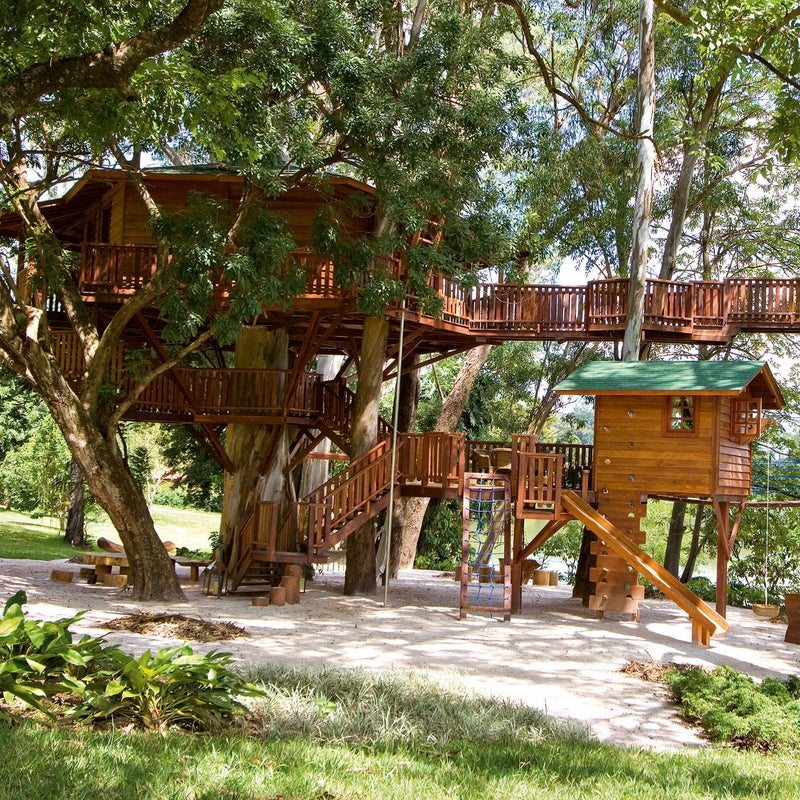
43	668
732	708
703	587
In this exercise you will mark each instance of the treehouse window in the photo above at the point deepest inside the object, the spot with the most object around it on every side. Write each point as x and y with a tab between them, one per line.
681	414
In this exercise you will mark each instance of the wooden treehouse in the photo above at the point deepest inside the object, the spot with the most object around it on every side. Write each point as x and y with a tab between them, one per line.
103	220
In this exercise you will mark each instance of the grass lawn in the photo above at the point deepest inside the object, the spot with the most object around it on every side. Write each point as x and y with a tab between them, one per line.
24	537
346	735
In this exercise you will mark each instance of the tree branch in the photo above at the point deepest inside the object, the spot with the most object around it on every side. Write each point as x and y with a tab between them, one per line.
110	68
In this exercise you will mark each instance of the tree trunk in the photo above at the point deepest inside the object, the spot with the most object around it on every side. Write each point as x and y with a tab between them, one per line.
672	554
405	508
152	574
643	209
583	587
361	574
75	533
314	471
245	444
696	545
452	408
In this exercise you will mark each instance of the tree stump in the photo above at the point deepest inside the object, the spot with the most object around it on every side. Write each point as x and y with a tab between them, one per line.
277	596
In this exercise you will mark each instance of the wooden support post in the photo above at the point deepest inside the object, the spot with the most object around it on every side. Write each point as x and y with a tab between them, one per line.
516	566
723	555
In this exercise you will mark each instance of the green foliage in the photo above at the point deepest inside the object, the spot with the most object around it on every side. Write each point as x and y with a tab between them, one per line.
704	588
35	476
40	659
732	708
566	546
201	482
42	667
21	412
766	553
174	687
439	544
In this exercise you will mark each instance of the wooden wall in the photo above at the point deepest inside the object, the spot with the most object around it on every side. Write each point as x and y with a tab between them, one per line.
735	458
299	207
634	454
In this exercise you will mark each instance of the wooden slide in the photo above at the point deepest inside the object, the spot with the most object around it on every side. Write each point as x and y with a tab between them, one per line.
705	621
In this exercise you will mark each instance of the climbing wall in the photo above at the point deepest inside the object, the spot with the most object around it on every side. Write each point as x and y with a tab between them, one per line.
616	582
486	545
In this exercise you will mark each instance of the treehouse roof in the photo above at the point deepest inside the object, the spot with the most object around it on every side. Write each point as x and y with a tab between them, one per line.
721	378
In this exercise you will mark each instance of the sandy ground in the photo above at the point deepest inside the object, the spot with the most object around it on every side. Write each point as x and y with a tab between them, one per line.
555	656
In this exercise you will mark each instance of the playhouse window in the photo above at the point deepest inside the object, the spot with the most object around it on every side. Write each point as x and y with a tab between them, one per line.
681	411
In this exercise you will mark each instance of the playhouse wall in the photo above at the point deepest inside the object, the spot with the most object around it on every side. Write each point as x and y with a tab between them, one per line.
735	458
634	453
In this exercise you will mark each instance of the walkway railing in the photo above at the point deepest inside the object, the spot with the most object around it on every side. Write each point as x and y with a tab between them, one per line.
536	310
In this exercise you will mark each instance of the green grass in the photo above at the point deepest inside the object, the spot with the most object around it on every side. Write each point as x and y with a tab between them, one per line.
24	537
185	527
346	735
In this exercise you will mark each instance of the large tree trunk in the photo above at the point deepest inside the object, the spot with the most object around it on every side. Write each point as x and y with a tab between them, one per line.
75	533
361	574
245	444
643	209
152	574
405	508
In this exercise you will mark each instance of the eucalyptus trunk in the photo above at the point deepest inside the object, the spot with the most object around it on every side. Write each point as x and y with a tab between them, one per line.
643	207
245	444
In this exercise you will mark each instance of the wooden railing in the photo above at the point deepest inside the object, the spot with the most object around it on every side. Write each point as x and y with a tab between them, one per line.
668	304
431	460
231	393
578	462
256	537
538	484
347	496
338	402
510	310
115	269
771	301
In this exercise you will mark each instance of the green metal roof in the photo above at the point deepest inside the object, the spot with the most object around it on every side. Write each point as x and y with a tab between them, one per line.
674	377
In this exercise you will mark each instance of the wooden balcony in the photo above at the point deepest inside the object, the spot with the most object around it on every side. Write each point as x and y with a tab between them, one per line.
225	395
683	311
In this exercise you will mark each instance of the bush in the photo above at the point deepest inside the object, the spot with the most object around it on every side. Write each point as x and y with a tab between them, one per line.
43	668
440	540
732	708
703	587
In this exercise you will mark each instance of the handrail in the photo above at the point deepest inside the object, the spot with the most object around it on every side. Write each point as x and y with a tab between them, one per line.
535	310
232	392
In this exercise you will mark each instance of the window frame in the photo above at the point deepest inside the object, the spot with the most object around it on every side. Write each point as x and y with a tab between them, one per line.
669	418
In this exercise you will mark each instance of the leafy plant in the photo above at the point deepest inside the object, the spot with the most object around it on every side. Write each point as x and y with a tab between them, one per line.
42	667
731	707
40	659
440	540
174	687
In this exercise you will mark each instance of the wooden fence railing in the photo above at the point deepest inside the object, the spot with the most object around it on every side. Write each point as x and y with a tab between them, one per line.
115	269
231	393
539	309
432	460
